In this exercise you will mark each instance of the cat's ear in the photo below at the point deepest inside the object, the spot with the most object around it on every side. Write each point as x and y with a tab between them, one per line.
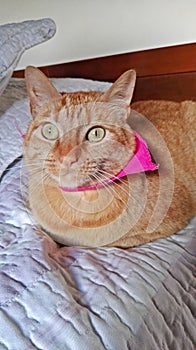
39	88
122	89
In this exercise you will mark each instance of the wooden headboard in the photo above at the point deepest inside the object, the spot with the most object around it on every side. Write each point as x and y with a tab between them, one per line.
165	73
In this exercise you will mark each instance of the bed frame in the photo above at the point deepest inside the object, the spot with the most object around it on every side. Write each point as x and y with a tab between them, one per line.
165	73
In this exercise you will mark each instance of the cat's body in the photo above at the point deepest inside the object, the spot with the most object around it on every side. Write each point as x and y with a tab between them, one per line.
81	139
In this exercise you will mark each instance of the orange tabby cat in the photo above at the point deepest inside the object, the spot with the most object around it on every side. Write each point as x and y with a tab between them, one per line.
77	144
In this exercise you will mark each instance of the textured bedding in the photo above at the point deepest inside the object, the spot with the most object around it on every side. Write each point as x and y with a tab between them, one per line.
60	298
15	38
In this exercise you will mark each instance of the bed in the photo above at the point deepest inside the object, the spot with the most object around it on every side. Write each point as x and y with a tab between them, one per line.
55	297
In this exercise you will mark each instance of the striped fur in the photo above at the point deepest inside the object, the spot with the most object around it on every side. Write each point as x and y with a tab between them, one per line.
137	209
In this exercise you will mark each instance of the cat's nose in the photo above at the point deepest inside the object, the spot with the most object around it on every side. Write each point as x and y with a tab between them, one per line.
70	156
62	150
63	153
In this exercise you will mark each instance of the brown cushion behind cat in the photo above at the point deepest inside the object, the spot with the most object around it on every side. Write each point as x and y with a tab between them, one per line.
83	150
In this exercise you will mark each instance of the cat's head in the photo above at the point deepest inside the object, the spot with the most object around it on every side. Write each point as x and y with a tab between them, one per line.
78	139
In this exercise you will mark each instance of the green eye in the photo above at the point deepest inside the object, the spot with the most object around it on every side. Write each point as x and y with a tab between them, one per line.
95	134
50	131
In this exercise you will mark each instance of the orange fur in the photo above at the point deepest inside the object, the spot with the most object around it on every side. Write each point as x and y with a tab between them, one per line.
136	209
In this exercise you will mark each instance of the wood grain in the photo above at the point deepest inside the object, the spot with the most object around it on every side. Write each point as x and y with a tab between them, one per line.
163	73
173	87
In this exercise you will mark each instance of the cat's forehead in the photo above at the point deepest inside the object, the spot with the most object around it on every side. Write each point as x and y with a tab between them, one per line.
77	108
80	97
74	116
86	108
81	109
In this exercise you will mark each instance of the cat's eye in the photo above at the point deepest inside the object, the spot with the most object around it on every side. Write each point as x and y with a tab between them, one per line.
95	134
50	131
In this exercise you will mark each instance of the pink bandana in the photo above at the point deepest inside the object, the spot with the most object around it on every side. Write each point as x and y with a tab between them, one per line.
140	162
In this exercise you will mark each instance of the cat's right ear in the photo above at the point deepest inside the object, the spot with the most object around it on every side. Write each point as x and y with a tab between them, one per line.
39	88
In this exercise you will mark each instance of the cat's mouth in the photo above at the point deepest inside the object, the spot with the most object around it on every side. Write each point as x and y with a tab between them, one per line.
89	180
140	162
88	186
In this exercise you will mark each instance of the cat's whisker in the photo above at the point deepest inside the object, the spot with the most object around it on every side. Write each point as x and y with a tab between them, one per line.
44	178
33	166
108	176
37	163
35	171
110	189
102	183
131	196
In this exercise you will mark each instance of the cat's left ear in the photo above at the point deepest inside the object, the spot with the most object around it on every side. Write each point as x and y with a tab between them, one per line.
121	91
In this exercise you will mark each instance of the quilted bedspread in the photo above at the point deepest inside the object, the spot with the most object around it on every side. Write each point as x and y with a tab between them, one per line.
73	298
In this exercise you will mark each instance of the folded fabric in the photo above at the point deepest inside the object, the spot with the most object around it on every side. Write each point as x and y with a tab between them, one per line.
15	38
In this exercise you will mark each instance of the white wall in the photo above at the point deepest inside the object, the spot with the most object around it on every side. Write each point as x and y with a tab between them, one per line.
92	28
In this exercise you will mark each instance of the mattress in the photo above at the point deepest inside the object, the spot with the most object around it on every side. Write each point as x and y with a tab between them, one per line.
55	297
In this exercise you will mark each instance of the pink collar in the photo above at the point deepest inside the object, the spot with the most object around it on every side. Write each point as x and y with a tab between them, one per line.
140	162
